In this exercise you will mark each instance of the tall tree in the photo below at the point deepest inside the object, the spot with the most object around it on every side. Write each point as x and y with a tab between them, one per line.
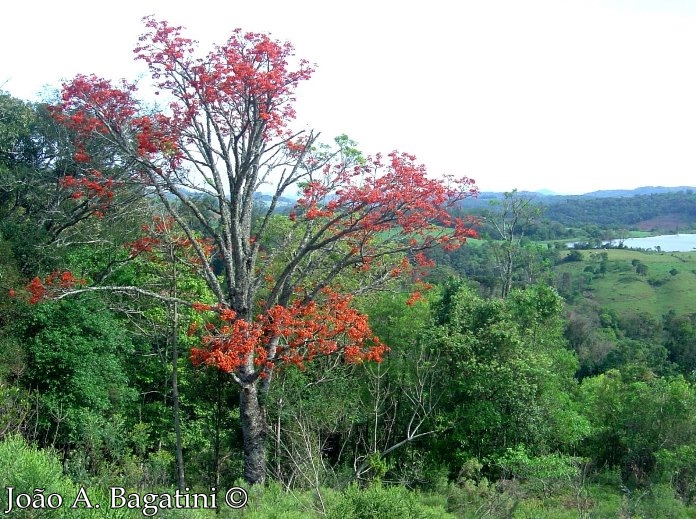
510	219
222	137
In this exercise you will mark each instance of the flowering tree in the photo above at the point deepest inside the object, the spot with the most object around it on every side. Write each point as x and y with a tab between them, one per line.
221	138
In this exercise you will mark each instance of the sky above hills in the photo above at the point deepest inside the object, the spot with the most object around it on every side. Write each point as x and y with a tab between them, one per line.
571	96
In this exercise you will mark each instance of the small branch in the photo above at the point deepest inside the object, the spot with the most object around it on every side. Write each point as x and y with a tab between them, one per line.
124	290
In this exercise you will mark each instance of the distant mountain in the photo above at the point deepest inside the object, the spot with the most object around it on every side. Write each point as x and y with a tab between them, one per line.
487	196
282	203
604	193
651	208
647	190
543	196
547	192
648	208
573	208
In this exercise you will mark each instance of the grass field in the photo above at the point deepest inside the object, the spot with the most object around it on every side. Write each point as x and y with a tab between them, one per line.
668	284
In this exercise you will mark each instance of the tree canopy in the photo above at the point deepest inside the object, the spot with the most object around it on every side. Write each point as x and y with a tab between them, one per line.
221	135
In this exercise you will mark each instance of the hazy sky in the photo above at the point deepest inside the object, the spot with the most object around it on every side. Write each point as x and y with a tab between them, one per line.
571	96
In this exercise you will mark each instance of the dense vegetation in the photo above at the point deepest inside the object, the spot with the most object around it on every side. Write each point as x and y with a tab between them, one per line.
530	380
644	211
594	218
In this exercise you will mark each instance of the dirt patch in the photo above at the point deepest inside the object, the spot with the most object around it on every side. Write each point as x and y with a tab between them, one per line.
663	223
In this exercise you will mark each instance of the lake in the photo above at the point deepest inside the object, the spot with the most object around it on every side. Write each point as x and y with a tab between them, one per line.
666	242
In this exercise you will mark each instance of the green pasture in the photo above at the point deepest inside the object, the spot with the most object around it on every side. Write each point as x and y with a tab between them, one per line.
668	284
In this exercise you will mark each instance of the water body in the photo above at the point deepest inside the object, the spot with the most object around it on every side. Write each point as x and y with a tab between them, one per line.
666	242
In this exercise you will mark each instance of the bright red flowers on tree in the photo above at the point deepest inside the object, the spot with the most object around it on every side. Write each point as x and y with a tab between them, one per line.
302	331
54	284
276	296
226	110
162	234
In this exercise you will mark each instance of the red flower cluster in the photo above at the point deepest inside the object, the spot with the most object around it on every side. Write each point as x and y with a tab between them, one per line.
303	330
154	136
397	196
91	105
99	191
249	70
162	233
53	284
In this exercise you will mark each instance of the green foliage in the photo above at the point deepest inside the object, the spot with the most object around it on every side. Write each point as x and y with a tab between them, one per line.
349	149
16	410
574	256
663	211
76	355
544	474
489	383
680	337
14	122
635	419
313	412
641	269
26	468
13	316
677	468
508	374
395	322
377	501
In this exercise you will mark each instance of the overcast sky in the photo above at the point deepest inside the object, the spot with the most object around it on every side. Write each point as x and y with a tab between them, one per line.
571	96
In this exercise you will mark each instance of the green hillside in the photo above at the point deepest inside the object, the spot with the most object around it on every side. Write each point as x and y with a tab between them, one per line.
665	281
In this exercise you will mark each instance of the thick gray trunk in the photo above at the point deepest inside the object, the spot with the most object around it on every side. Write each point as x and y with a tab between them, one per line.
254	435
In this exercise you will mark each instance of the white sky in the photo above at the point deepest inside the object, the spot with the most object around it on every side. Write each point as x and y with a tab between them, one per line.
571	96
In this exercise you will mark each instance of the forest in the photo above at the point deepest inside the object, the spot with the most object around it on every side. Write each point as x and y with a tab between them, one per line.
205	313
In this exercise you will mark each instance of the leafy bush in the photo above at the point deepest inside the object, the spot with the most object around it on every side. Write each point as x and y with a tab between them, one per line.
574	255
376	502
26	468
678	468
544	473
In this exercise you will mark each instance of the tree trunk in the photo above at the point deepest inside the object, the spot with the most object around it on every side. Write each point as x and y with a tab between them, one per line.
180	478
254	435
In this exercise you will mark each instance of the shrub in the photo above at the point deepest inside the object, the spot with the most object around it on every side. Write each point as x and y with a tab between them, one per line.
574	255
377	501
26	468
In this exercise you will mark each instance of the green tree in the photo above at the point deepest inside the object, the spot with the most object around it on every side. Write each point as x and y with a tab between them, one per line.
634	419
509	219
508	375
76	357
332	422
680	340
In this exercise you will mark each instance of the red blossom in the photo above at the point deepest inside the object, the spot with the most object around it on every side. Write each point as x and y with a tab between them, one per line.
54	284
304	330
248	67
227	315
92	186
376	198
414	298
192	329
161	235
